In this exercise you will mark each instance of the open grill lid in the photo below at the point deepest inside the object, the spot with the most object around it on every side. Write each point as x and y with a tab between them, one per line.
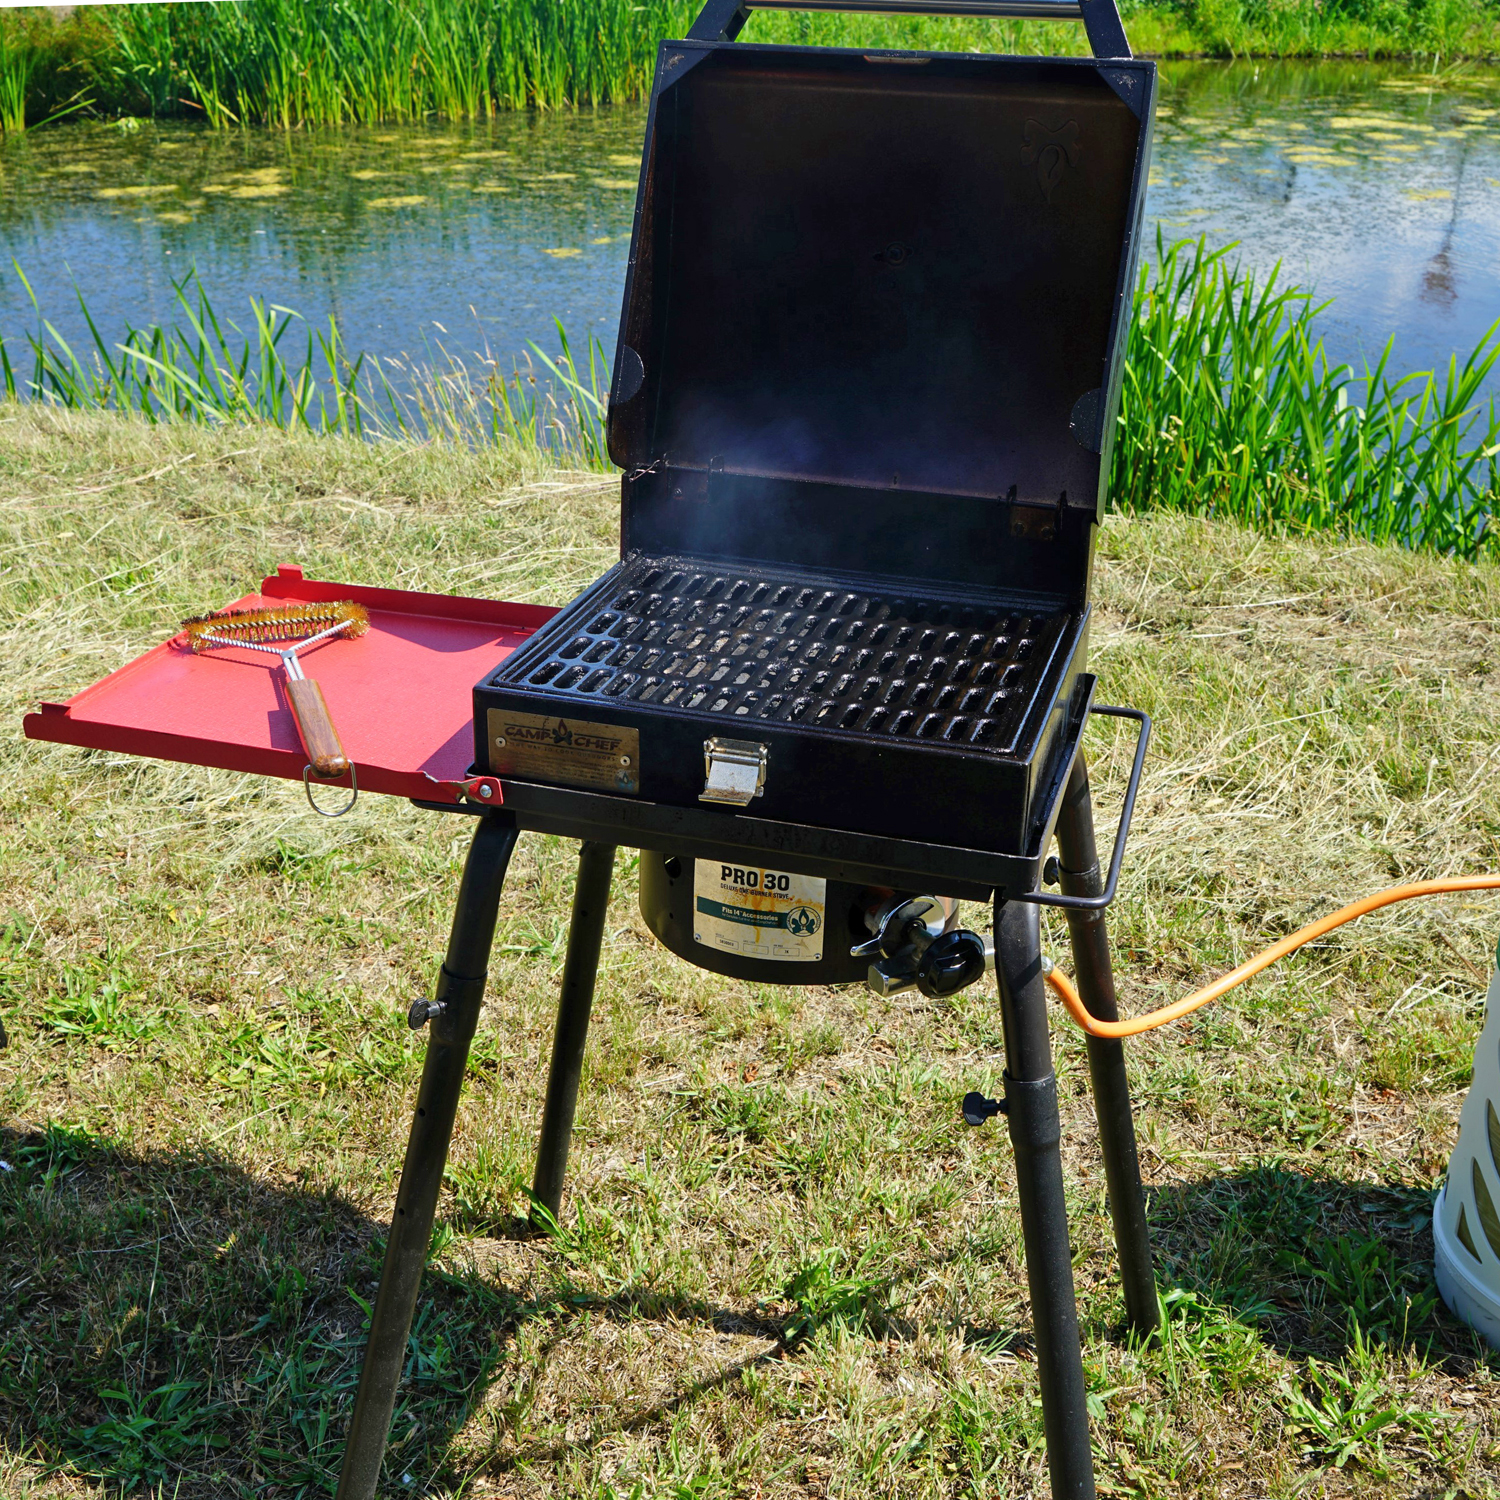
875	309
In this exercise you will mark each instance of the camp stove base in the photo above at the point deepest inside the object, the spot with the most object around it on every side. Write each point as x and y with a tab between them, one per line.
1030	1105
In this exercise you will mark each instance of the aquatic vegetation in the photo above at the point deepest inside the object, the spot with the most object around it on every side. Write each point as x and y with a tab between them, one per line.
282	371
17	63
291	62
140	190
40	75
1229	405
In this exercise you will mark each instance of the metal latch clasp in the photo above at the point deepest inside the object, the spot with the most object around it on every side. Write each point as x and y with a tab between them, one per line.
735	771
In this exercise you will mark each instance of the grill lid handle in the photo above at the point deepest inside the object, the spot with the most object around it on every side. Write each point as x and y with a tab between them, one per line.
723	20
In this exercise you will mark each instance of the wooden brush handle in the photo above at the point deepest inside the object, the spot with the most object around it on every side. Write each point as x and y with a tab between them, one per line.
319	738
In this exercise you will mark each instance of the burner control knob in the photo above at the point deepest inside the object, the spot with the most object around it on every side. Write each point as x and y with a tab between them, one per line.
952	962
904	926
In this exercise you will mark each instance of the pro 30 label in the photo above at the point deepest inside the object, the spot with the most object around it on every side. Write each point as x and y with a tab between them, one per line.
757	913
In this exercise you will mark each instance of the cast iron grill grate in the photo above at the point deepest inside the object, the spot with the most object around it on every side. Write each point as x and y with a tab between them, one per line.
749	646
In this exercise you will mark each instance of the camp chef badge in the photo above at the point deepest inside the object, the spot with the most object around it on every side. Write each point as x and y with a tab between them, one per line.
568	752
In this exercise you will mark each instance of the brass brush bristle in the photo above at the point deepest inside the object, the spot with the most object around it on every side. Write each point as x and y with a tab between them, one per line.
293	622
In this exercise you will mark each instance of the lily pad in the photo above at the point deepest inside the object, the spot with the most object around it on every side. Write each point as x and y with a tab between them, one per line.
140	190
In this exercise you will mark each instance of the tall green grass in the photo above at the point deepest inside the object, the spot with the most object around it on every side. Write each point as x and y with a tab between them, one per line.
289	62
286	62
1230	406
18	61
278	369
46	66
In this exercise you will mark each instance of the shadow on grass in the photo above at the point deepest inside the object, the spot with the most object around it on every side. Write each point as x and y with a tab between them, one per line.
1304	1259
170	1320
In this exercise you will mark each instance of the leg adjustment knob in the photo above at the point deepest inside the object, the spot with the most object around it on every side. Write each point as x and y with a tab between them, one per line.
421	1012
977	1109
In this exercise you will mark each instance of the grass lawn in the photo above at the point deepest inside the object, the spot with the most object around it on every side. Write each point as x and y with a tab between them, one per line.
785	1268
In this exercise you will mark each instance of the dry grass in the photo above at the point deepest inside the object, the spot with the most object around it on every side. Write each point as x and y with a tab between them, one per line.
205	1089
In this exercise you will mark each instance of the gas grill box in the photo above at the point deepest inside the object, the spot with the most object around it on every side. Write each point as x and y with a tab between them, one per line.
867	375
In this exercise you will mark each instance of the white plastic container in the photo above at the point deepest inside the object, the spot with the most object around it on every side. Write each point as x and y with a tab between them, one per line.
1466	1216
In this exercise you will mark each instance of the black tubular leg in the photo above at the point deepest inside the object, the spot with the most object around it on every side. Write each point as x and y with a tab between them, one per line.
460	990
1094	976
1036	1135
596	867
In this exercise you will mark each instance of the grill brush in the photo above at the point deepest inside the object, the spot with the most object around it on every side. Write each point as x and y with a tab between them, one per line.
304	625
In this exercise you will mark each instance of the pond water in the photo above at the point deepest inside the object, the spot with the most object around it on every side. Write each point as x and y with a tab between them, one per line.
1378	186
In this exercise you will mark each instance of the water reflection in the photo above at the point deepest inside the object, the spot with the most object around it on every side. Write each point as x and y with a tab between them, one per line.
1378	186
409	237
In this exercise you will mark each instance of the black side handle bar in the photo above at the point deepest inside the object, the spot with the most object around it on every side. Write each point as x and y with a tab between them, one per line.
1099	902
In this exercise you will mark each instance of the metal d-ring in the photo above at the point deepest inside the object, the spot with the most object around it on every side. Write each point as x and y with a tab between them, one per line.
322	812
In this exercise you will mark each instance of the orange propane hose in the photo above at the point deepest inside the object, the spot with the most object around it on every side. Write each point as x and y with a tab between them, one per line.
1189	1003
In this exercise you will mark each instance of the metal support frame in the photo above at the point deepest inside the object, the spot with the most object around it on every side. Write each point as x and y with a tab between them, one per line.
1080	875
1030	1103
1036	1137
596	866
460	992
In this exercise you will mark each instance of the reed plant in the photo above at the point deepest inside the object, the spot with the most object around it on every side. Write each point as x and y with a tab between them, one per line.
18	62
282	371
290	62
47	67
1230	406
296	62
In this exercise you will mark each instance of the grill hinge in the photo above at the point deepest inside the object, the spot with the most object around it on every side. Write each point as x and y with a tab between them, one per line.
735	771
1037	520
695	484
